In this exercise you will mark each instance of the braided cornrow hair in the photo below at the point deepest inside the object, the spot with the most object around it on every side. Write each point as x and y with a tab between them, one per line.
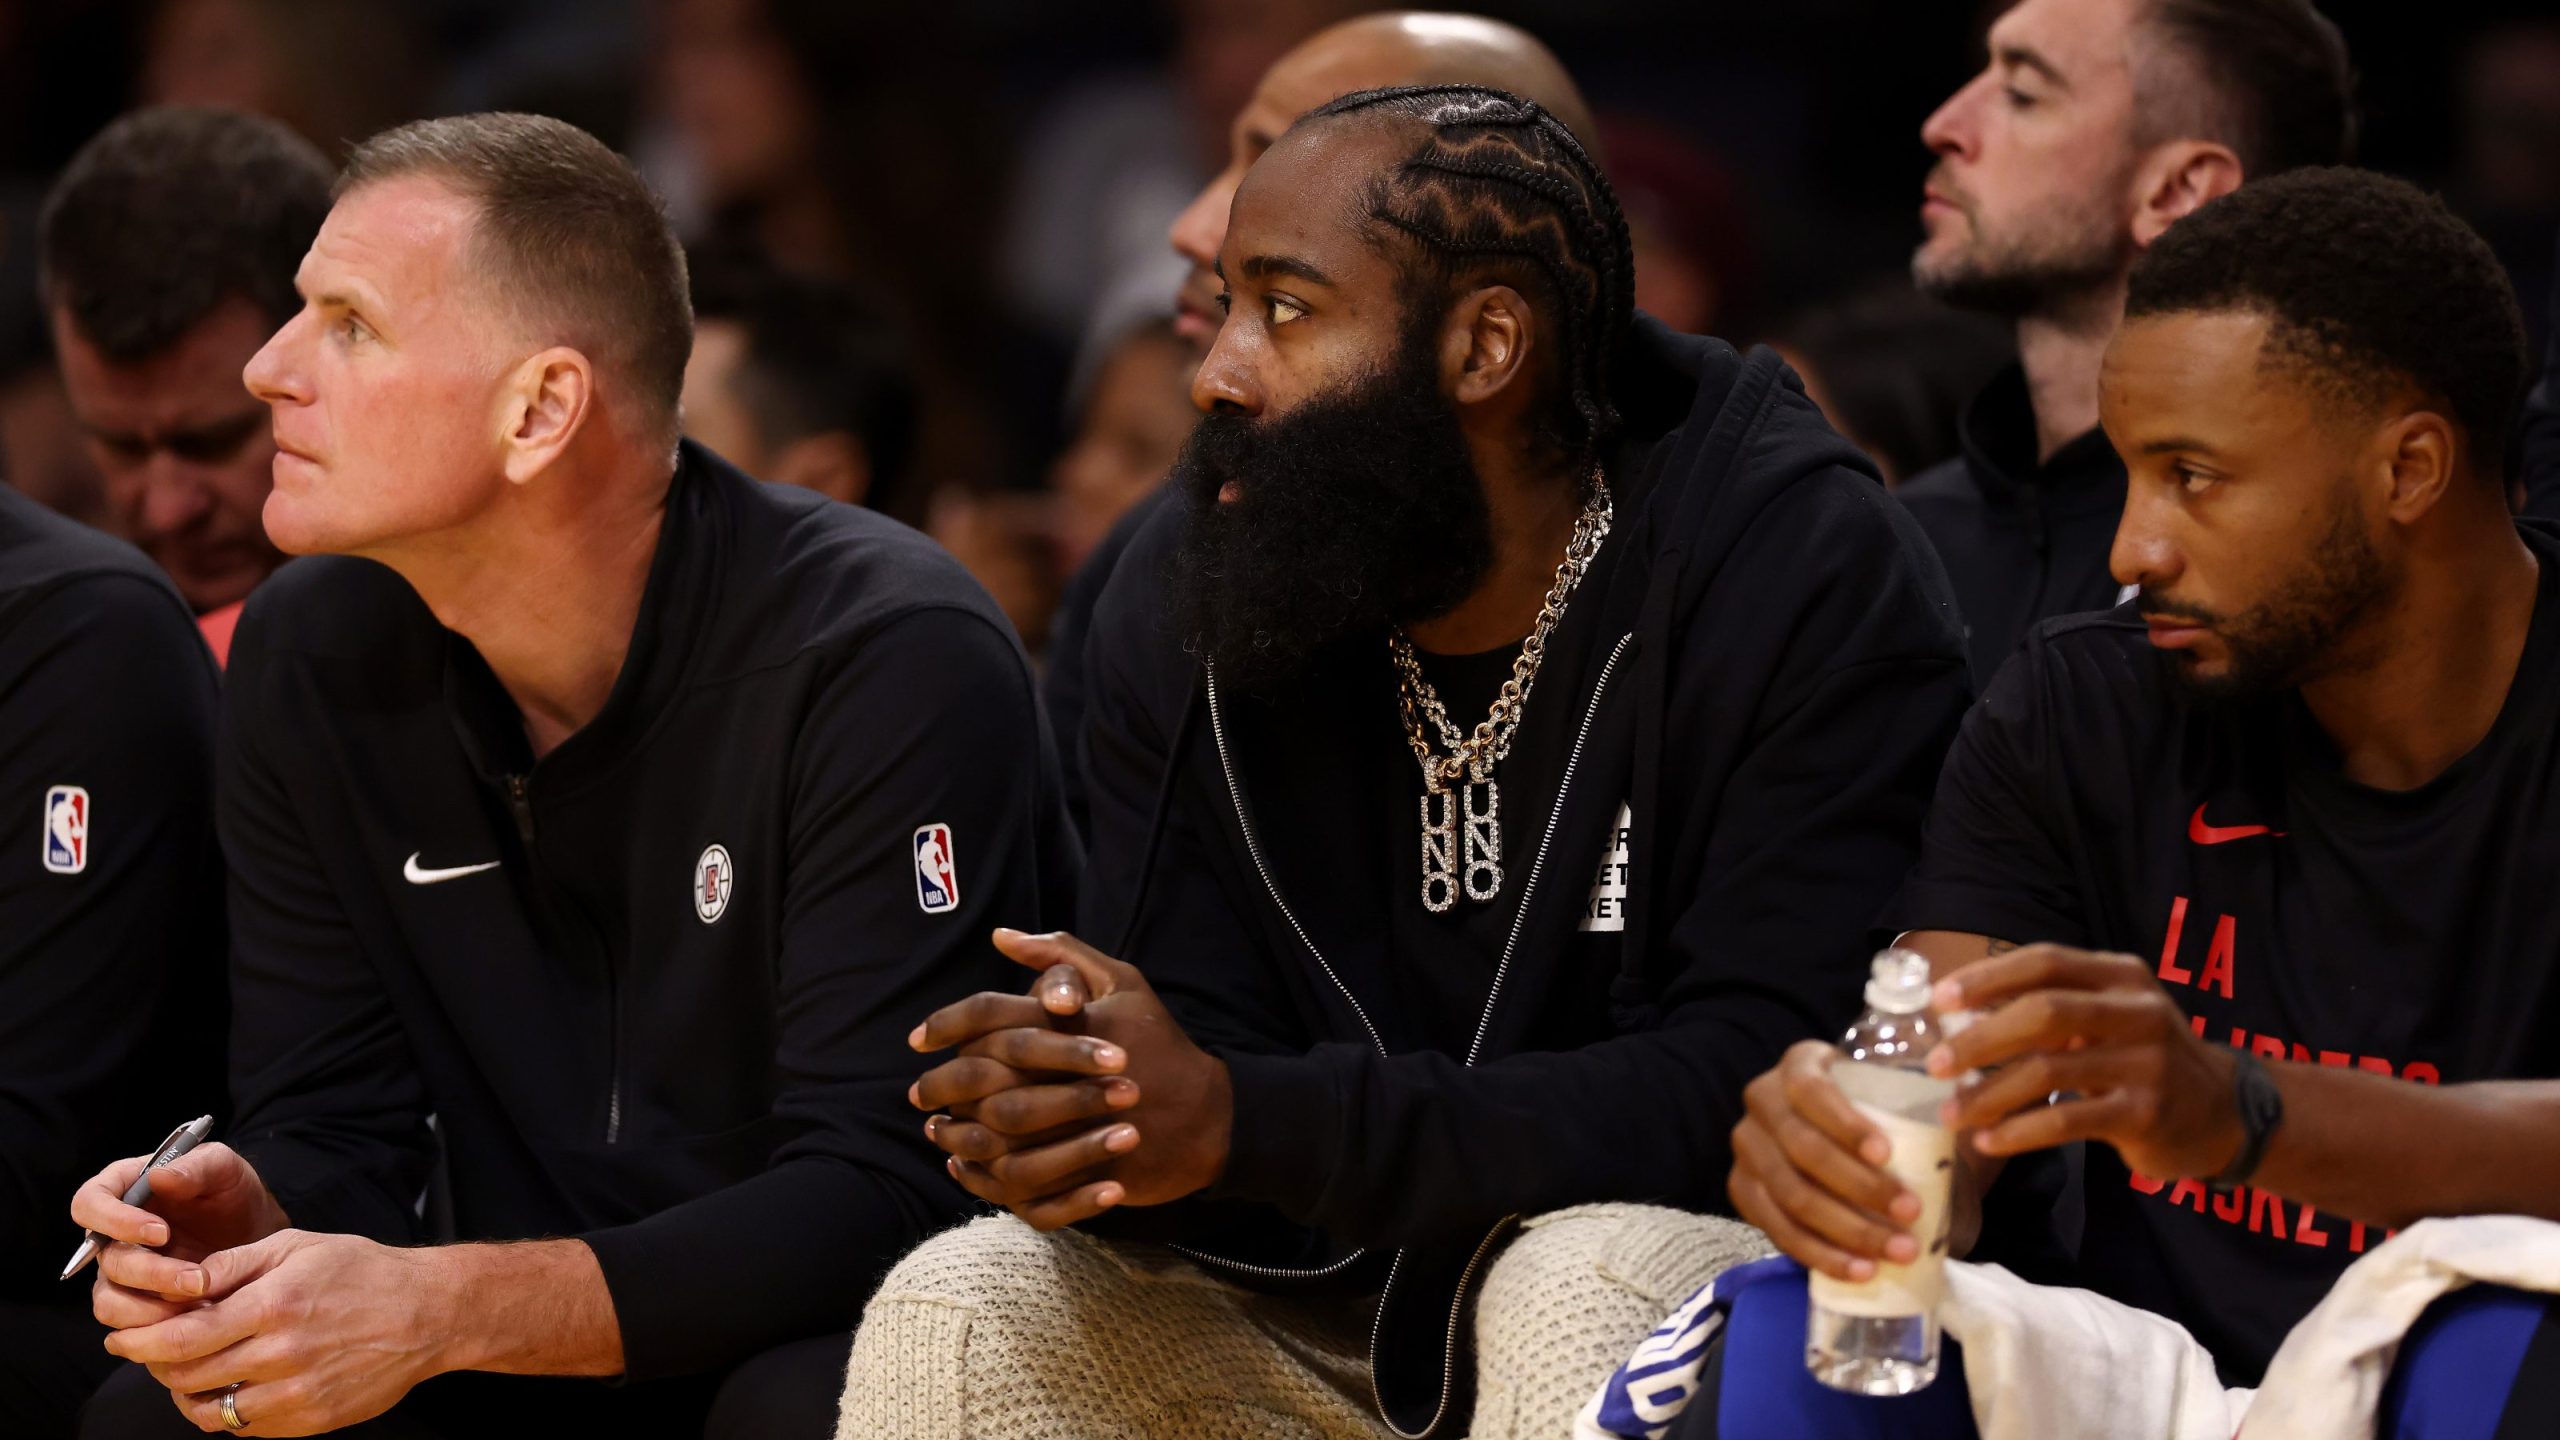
1498	183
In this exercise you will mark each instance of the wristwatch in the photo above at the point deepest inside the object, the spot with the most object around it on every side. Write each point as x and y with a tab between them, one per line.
2261	1111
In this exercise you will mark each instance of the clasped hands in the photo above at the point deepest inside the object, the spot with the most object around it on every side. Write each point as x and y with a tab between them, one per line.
215	1293
1082	1095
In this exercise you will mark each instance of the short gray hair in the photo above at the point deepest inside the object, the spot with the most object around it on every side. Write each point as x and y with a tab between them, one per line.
568	231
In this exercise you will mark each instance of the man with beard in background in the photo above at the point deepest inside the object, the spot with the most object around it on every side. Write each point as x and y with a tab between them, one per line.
1496	758
2093	126
1400	47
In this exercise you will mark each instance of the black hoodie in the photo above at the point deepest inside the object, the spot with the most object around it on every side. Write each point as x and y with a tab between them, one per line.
2022	541
1762	665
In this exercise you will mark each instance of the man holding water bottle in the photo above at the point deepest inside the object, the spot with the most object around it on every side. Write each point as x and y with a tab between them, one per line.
2282	823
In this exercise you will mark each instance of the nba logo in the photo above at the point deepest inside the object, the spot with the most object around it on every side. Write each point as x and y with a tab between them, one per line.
937	874
66	829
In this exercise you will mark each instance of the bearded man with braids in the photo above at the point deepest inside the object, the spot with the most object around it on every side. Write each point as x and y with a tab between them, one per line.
1497	758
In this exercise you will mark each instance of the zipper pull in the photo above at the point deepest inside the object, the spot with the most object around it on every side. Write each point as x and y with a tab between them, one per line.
522	804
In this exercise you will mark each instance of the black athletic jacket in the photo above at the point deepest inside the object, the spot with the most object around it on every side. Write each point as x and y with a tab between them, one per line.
2022	542
110	886
654	988
1762	664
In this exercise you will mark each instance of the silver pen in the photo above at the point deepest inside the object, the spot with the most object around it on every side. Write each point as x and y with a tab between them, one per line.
181	1140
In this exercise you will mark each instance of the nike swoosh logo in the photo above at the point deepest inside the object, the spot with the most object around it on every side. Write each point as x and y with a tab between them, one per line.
417	876
2204	834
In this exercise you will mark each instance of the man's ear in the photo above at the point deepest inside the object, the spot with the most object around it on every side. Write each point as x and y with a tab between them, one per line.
546	402
2174	180
1485	349
2418	451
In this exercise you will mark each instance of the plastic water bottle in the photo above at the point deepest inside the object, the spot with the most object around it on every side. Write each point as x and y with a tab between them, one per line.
1880	1337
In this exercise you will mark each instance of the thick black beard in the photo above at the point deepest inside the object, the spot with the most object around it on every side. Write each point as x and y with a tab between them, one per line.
2295	635
1356	510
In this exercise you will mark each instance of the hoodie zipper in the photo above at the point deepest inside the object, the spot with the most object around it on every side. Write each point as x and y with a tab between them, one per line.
1253	847
520	804
1493	995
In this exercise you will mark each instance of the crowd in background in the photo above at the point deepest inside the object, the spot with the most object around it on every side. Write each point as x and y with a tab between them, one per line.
929	241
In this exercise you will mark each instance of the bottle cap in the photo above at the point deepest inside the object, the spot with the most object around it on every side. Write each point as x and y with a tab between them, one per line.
1898	982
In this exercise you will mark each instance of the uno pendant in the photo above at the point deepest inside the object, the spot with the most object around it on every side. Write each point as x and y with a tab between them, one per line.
1484	841
1439	851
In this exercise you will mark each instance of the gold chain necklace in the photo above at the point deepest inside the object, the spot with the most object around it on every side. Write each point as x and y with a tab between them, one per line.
1468	767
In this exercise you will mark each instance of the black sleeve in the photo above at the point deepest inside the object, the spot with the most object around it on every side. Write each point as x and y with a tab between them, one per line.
333	1112
1808	830
1065	688
1995	857
2542	421
930	721
111	950
1203	956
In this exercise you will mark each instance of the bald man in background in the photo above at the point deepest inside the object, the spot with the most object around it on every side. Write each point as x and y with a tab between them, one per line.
1394	47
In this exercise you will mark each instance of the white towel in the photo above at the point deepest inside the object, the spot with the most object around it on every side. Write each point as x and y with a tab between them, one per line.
2327	1379
2043	1361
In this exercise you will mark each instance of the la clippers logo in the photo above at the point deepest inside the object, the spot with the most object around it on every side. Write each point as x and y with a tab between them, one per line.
66	829
937	874
713	878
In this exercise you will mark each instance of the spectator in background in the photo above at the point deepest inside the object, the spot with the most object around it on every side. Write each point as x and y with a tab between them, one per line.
333	70
2094	126
1132	415
773	116
167	253
1108	164
41	456
1892	368
2506	173
1695	267
798	381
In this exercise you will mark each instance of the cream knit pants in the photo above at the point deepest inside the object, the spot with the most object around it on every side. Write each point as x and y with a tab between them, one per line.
995	1331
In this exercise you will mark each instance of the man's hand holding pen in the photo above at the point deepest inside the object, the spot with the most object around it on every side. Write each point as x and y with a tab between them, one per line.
223	1302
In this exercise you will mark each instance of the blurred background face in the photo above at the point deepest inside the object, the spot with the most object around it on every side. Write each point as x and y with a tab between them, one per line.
736	98
184	451
2028	200
714	412
1133	427
2246	522
385	387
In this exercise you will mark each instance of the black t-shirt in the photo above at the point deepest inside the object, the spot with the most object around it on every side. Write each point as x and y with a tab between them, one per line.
1442	987
2285	908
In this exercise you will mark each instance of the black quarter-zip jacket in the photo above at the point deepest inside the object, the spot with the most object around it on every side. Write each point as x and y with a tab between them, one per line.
653	988
1762	666
2022	542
